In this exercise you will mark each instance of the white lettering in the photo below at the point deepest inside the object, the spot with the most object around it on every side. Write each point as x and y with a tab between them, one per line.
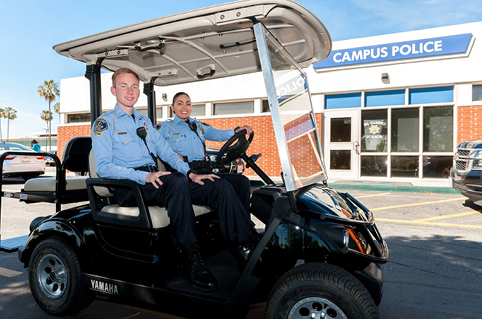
405	49
414	48
336	57
376	55
426	48
384	52
438	45
104	287
356	55
346	57
395	49
366	52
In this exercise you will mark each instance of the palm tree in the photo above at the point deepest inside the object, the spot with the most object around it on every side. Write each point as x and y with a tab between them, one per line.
47	117
49	90
9	114
2	116
57	109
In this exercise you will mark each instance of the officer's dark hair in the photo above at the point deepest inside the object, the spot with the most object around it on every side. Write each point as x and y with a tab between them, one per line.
123	71
178	94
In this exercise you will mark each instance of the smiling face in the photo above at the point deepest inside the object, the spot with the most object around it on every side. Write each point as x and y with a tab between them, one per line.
182	107
126	91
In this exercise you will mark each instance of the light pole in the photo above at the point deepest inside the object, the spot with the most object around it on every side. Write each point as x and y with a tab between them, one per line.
46	140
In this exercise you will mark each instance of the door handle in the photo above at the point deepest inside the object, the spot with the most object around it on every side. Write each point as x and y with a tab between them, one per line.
356	147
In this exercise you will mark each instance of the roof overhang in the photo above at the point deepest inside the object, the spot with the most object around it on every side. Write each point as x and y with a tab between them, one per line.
208	43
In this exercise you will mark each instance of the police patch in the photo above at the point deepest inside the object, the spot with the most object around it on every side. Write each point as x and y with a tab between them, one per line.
100	125
158	126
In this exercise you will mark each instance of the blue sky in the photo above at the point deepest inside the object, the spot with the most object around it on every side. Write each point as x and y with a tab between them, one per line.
30	28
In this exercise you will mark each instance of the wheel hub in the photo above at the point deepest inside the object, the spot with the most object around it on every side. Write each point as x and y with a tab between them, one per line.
316	308
51	275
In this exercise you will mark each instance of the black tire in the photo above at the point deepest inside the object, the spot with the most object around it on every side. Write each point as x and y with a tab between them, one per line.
314	288
55	278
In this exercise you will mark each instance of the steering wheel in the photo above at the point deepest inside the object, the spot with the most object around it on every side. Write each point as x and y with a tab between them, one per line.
234	148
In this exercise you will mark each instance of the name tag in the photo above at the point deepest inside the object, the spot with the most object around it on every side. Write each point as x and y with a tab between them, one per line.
122	133
175	134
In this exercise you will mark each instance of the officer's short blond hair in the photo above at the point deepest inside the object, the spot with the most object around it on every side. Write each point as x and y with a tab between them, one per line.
123	71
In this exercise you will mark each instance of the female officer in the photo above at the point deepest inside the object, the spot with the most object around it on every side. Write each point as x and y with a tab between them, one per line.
187	137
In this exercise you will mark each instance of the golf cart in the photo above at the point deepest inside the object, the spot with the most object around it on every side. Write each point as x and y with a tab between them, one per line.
320	251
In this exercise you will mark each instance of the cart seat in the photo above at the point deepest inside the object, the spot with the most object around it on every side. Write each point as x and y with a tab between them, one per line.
62	189
115	213
48	184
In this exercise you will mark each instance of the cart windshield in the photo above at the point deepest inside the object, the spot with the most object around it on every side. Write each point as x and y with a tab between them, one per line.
292	113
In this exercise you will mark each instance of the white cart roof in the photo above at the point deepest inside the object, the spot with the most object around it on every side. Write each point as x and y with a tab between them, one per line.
208	43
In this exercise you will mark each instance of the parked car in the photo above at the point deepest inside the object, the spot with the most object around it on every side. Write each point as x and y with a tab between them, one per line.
24	166
466	173
49	160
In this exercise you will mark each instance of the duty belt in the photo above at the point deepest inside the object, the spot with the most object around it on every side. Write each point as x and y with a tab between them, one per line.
147	168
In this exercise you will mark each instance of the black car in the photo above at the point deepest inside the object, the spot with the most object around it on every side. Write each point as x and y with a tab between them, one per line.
466	174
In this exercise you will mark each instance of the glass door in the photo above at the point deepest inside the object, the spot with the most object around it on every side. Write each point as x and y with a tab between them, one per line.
342	143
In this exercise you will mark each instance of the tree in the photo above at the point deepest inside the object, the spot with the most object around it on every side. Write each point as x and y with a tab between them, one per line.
47	117
9	114
57	109
2	116
49	90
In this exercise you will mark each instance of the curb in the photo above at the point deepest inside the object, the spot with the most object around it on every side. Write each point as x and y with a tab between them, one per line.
395	188
384	188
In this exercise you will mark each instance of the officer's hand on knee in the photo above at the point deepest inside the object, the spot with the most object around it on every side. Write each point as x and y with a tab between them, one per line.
198	178
154	179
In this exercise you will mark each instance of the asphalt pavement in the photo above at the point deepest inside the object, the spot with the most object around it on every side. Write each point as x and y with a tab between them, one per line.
434	270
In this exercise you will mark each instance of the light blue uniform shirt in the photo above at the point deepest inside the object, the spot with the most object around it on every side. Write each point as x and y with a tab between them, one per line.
184	141
118	149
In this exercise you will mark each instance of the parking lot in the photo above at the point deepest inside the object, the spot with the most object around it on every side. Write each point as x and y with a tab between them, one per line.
434	270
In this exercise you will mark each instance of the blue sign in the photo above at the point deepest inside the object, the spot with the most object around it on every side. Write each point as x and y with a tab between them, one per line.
397	51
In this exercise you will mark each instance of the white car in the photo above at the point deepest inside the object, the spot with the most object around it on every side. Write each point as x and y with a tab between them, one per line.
21	165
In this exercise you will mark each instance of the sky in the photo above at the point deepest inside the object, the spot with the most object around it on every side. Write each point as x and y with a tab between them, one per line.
30	28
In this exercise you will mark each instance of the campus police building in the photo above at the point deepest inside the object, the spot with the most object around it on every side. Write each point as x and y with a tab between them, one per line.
389	107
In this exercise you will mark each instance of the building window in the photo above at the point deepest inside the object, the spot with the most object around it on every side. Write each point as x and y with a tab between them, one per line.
78	118
438	129
197	110
265	106
404	166
476	92
405	129
385	98
374	131
233	108
374	166
431	95
437	166
340	101
340	159
340	130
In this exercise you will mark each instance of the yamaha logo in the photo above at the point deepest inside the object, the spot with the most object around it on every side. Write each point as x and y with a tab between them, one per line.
104	287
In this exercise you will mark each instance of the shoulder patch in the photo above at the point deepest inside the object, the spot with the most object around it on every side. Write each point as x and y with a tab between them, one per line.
158	126
100	125
205	124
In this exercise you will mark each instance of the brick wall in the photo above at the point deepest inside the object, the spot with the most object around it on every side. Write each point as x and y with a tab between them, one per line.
469	123
264	141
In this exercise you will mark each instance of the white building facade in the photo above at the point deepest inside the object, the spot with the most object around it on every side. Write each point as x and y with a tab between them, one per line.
388	107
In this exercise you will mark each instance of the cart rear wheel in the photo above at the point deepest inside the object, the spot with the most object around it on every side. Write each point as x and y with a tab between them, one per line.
318	290
55	278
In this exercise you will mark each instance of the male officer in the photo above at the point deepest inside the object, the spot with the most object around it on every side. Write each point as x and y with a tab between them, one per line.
187	137
121	153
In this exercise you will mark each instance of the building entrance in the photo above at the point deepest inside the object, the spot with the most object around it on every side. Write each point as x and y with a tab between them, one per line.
342	143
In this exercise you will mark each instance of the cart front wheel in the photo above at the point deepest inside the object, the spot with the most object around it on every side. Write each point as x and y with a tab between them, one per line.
319	290
55	278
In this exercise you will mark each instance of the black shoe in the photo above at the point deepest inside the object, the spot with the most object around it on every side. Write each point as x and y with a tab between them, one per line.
193	268
247	247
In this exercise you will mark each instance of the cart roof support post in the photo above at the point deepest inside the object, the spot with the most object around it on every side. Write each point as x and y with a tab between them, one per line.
92	73
151	100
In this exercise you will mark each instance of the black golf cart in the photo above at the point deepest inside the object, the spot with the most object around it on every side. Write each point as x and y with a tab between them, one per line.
320	251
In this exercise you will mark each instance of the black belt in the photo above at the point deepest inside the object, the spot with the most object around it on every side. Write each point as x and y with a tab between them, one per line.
198	164
147	168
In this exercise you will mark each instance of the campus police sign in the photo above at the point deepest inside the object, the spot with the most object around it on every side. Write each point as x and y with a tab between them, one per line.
454	44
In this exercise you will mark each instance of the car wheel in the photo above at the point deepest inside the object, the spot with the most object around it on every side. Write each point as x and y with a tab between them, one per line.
55	278
319	290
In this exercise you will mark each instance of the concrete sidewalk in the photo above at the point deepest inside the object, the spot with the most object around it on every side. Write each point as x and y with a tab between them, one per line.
442	186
